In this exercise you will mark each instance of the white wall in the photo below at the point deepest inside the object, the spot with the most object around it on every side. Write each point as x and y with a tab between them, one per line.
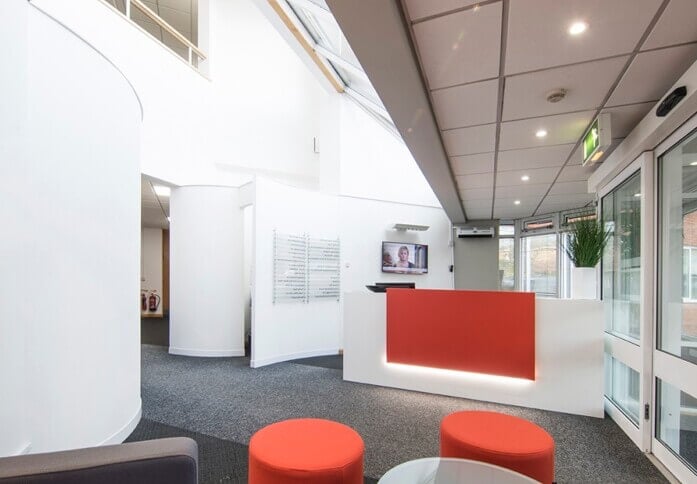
375	164
206	272
365	224
70	264
151	265
284	331
16	303
257	114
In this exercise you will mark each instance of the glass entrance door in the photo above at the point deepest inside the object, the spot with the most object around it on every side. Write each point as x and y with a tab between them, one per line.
675	354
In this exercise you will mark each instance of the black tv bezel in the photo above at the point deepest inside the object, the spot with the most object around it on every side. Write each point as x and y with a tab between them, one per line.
382	268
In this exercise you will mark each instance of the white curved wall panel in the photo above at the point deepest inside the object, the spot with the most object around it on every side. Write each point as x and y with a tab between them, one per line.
206	272
70	212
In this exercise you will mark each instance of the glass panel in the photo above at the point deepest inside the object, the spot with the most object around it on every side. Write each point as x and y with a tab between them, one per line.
621	262
622	388
506	264
506	230
539	264
677	330
677	422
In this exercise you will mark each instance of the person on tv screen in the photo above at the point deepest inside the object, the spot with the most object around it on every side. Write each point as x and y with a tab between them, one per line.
387	260
403	255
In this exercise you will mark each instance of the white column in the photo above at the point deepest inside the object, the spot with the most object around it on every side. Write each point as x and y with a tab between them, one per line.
206	272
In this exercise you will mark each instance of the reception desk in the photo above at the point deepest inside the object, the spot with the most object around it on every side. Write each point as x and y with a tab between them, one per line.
556	355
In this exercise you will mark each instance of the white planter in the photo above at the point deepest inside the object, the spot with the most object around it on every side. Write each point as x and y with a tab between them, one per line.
584	283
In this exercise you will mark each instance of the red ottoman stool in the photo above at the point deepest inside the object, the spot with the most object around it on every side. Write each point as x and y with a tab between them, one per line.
499	439
306	450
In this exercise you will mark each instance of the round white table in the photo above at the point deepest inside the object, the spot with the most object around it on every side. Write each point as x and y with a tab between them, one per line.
437	470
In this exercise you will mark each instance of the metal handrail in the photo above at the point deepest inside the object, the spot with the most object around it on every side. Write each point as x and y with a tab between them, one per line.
192	49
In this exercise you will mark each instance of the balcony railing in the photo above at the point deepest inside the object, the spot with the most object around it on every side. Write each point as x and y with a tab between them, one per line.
183	47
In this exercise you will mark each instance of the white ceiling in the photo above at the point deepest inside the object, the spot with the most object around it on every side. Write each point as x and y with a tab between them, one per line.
488	67
154	209
474	139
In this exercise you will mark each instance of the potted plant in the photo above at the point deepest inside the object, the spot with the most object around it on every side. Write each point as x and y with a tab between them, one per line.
585	248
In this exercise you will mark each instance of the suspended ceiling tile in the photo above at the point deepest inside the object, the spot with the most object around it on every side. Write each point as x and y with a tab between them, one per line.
651	74
569	188
477	180
508	210
538	31
181	5
478	213
466	141
572	173
531	158
419	9
624	118
461	47
676	25
537	175
484	204
525	191
561	129
476	194
526	94
467	165
467	105
509	202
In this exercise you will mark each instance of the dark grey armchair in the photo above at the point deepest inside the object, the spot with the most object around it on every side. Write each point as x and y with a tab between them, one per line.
162	461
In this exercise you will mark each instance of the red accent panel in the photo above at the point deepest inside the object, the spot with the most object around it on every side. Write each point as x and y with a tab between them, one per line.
478	331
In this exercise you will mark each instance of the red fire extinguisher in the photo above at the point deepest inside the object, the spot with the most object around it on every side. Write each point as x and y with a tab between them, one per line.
153	301
143	301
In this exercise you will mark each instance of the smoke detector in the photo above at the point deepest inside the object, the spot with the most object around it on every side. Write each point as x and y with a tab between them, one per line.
556	95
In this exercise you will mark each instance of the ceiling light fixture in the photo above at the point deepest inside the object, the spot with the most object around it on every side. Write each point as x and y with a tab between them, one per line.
162	190
541	133
694	163
637	195
517	202
525	178
577	28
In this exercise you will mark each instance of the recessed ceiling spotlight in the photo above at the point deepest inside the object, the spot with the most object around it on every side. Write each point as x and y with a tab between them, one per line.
517	202
525	178
162	190
637	195
541	133
577	28
694	163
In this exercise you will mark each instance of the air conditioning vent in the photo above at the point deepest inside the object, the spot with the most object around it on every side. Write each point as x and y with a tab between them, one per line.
464	232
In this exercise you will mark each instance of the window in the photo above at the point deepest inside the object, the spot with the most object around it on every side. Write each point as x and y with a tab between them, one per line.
622	387
539	264
506	263
621	261
677	333
677	422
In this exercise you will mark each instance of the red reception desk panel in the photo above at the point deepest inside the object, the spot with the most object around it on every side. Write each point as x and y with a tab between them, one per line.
478	331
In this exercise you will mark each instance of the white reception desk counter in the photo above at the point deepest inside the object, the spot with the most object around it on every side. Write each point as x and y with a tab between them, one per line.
569	375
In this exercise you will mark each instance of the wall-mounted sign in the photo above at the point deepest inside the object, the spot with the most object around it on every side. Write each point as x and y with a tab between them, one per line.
597	139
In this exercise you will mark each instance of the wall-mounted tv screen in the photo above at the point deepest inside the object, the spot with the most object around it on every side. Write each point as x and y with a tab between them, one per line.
404	258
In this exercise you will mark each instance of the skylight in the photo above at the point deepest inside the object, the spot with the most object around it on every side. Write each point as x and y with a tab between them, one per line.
314	19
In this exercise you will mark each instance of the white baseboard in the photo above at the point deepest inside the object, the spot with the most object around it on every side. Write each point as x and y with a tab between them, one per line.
256	363
205	353
120	435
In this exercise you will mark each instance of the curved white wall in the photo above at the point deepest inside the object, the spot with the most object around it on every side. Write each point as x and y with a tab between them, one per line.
70	212
206	272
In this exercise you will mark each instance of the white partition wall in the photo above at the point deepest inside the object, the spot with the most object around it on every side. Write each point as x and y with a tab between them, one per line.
69	255
206	272
286	330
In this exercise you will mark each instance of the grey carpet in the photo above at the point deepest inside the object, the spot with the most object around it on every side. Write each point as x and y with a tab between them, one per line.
333	362
224	398
155	331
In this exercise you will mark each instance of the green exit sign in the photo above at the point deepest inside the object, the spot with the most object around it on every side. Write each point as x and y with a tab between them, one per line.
591	141
597	139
